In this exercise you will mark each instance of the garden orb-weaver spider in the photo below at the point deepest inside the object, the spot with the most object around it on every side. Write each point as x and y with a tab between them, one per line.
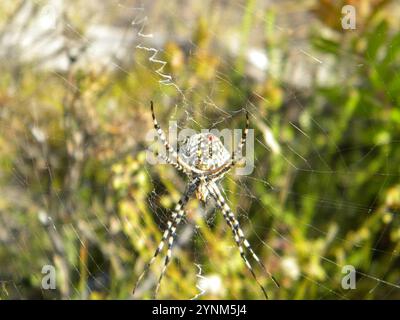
205	160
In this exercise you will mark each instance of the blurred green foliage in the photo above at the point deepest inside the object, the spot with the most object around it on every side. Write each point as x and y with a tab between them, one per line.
78	193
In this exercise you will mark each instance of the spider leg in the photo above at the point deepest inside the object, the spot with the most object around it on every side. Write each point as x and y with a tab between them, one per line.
238	234
176	217
180	212
240	247
167	231
244	136
171	239
176	165
161	135
246	243
169	148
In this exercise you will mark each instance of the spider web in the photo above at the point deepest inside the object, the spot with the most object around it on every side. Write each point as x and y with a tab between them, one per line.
265	202
301	165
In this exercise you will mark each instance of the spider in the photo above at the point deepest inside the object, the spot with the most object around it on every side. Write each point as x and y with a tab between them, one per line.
205	160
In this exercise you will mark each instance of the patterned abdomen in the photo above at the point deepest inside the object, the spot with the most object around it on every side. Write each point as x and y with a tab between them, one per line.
204	151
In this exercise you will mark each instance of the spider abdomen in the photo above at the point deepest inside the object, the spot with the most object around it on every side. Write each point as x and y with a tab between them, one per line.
204	151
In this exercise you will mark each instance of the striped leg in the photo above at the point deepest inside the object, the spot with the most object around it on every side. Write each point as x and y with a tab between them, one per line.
162	136
171	228
176	165
169	148
235	224
238	234
180	212
171	239
170	224
244	136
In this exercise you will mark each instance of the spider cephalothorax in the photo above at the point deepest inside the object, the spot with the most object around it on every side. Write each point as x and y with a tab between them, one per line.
205	160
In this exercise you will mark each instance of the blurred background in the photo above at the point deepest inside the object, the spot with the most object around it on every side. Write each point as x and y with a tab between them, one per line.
77	193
